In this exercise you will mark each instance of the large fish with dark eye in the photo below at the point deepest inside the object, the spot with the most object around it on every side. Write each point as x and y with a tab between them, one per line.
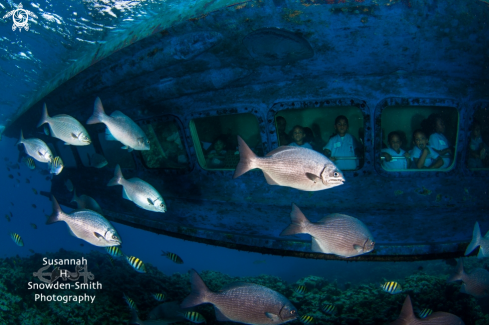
296	167
120	128
242	302
139	192
36	148
478	240
336	233
439	318
86	202
66	128
87	225
165	313
476	283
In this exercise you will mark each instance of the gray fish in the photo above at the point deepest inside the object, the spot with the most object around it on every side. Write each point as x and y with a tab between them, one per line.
477	240
165	313
336	233
139	192
242	302
476	283
120	127
86	202
56	165
66	128
36	148
439	318
69	185
296	167
87	225
97	161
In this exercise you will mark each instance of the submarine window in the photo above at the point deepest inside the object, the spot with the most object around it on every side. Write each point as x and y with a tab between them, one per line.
84	152
66	154
215	139
478	142
114	154
167	149
321	132
435	127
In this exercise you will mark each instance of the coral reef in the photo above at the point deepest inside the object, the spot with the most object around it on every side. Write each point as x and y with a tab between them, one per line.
361	304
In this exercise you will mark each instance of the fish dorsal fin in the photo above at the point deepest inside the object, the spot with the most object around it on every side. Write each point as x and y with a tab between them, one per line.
237	285
272	316
313	177
220	316
407	313
315	247
124	194
269	180
280	149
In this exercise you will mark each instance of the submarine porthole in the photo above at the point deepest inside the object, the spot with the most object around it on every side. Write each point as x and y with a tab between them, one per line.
478	140
406	131
215	139
321	132
113	153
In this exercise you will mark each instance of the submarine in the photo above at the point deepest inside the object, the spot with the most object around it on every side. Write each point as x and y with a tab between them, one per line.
220	69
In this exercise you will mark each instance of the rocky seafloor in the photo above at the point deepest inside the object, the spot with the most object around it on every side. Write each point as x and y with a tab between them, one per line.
356	304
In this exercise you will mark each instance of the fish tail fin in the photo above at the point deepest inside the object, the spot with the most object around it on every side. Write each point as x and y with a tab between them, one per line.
74	196
476	239
246	159
57	212
406	316
459	272
298	222
98	113
134	318
199	291
21	139
118	177
45	116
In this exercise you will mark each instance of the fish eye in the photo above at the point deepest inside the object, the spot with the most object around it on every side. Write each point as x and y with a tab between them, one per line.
292	312
114	237
161	205
336	174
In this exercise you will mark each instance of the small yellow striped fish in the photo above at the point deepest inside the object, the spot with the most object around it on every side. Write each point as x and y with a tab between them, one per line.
30	163
425	313
130	302
16	238
194	317
328	309
306	319
174	257
136	263
300	289
391	287
56	165
114	251
159	296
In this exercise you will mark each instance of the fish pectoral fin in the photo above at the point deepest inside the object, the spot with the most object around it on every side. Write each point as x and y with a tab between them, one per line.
74	136
150	202
358	248
99	236
313	177
124	147
273	317
270	181
129	149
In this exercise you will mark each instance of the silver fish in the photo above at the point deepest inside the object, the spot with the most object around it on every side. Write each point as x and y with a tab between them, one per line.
242	302
87	225
476	283
120	128
97	161
86	202
296	167
439	318
56	165
165	313
139	192
477	240
336	233
66	128
36	148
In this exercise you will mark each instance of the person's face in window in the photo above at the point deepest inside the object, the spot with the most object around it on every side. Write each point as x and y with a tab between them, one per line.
420	140
298	135
395	143
341	127
281	124
219	146
440	126
476	132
